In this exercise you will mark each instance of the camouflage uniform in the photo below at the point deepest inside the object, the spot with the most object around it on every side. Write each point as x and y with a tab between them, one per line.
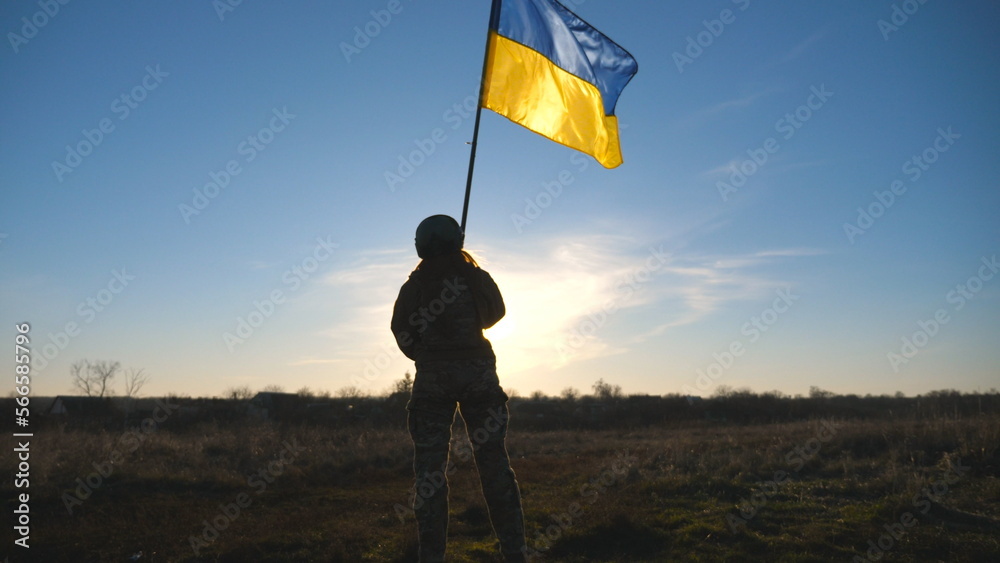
438	321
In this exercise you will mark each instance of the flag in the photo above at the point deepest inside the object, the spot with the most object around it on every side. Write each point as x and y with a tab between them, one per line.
551	72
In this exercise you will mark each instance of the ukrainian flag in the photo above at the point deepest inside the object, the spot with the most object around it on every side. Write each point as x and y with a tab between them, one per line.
550	71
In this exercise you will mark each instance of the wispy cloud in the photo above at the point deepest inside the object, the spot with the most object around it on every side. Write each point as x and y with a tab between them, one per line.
803	46
763	257
714	111
366	290
743	102
791	166
552	290
722	171
700	286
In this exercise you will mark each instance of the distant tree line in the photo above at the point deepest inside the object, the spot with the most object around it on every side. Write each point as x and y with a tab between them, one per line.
606	407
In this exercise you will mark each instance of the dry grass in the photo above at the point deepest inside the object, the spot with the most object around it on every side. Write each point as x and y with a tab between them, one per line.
651	494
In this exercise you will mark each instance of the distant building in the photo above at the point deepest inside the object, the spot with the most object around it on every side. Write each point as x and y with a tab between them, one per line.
81	407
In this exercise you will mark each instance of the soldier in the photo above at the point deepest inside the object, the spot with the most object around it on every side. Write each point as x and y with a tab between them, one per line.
438	322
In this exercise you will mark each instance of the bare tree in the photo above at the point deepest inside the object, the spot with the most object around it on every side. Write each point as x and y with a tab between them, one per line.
350	392
404	385
723	392
273	388
78	371
570	394
606	390
134	381
94	379
243	393
817	393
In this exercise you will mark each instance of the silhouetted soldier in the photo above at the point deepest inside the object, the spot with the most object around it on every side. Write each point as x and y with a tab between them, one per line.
438	322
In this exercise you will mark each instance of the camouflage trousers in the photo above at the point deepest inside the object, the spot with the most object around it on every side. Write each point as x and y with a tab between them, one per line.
473	387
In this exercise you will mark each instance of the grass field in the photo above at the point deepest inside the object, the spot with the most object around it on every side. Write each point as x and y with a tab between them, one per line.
817	490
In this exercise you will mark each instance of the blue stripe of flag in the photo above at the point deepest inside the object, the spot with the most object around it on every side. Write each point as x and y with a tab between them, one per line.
549	28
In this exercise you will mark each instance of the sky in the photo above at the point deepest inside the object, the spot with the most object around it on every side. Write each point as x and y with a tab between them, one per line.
224	194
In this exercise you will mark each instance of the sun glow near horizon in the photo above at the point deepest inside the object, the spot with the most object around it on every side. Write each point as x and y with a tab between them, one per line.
551	297
566	299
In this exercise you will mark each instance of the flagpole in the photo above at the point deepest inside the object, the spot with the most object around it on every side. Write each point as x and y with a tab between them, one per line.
494	13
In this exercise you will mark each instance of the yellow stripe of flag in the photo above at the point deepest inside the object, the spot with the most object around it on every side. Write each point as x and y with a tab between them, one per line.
552	72
532	91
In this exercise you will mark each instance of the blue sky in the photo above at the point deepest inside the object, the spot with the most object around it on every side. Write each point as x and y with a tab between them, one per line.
670	274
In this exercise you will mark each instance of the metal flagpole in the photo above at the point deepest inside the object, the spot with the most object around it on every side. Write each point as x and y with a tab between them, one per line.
494	14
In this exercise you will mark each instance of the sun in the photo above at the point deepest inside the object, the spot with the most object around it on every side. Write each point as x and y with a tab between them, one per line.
501	331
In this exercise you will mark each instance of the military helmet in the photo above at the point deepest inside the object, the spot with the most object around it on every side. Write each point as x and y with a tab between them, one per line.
437	235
